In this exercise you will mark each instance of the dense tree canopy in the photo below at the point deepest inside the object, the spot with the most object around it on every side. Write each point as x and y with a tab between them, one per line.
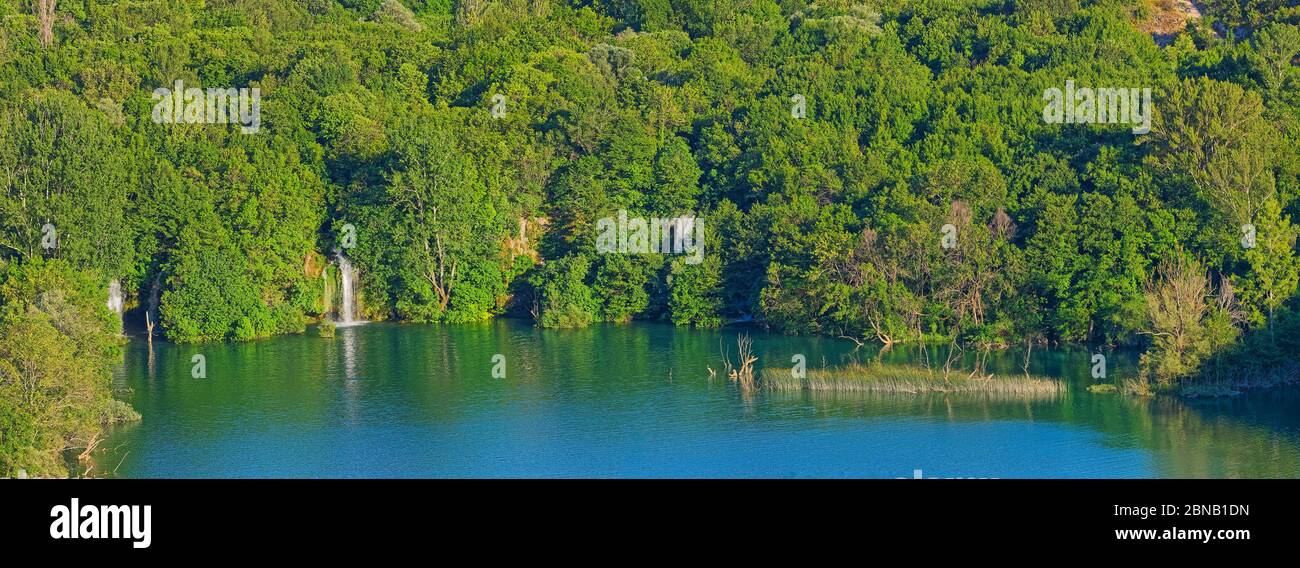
462	152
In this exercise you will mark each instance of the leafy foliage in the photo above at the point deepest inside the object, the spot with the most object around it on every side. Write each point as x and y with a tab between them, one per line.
474	146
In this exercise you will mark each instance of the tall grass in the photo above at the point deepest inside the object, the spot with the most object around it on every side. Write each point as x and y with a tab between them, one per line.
906	379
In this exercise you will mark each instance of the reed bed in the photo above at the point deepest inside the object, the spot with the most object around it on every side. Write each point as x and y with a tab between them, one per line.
897	379
965	404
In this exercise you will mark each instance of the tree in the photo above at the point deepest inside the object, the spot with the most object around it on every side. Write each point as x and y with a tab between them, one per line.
211	295
62	184
1275	48
621	284
1185	324
448	221
1215	133
1274	269
57	345
44	10
695	292
563	298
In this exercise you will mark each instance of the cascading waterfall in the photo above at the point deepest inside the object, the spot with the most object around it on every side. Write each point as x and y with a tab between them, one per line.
346	314
115	301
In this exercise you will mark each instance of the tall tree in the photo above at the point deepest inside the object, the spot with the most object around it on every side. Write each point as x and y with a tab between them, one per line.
1216	134
448	218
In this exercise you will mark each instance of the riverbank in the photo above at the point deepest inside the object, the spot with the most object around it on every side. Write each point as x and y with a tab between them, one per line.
1239	383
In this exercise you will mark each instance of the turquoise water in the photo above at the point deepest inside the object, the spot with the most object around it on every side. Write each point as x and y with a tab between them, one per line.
387	400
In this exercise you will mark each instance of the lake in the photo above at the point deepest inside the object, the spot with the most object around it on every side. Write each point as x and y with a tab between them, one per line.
389	400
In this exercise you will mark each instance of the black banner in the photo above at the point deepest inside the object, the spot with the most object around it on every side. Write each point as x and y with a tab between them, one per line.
166	517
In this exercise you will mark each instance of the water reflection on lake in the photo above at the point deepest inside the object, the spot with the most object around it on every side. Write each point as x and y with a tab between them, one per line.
386	400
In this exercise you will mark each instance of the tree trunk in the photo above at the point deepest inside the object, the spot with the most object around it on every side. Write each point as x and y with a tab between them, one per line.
45	18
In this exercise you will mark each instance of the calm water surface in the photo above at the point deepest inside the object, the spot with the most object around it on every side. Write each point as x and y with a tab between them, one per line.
387	400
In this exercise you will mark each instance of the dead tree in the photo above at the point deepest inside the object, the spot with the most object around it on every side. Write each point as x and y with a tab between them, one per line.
44	10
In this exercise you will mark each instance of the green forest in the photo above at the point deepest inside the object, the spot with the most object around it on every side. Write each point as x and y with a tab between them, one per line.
461	152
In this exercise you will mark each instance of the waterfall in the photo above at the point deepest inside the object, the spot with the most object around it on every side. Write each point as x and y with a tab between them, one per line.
346	311
115	297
